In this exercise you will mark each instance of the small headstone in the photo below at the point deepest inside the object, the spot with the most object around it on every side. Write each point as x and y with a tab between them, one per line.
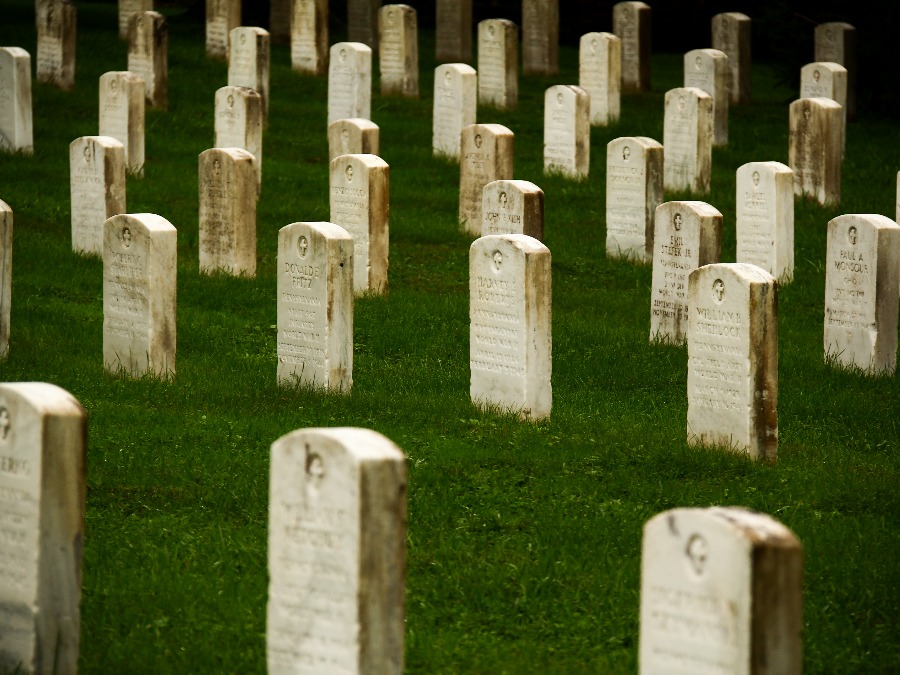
731	34
129	7
139	266
148	56
567	131
721	592
600	75
498	63
15	101
512	207
862	273
248	65
349	81
453	31
540	37
43	432
354	136
122	115
827	80
815	148
707	69
632	23
222	16
455	105
315	306
362	22
836	42
687	139
228	190
56	26
687	235
337	553
6	246
764	225
97	182
398	50
634	188
487	155
309	36
239	122
280	20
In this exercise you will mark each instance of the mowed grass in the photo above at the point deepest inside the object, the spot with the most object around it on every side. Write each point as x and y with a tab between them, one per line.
524	539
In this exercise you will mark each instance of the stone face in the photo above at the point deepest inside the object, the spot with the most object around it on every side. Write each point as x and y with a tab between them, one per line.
56	26
512	207
721	592
248	65
487	155
898	198
836	42
139	267
222	16
309	36
827	80
122	115
815	148
510	334
42	495
686	235
862	273
354	136
129	7
97	188
687	139
567	131
148	56
453	31
600	75
498	63
455	105
6	247
315	306
632	23
349	81
228	191
16	133
540	37
239	122
707	69
398	50
362	22
634	188
731	35
765	218
337	553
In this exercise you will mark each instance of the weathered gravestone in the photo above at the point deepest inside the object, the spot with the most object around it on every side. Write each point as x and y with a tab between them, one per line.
862	273
686	235
148	56
600	75
815	148
731	35
707	69
222	16
337	553
898	198
43	430
634	188
512	207
126	9
732	380
362	22
827	80
567	131
721	592
764	225
6	246
487	155
498	63
687	139
280	20
836	42
455	105
354	136
510	325
540	37
139	267
122	115
228	191
56	26
248	65
453	31
398	50
239	122
97	189
309	36
16	133
632	23
349	81
315	306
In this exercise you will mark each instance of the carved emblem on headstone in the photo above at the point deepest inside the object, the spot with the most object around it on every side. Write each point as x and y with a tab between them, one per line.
4	424
718	290
626	153
851	236
498	260
348	173
478	140
697	553
126	237
676	221
756	178
302	246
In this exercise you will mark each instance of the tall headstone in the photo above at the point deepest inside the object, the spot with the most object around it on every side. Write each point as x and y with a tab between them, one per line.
280	13
139	267
349	81
836	42
731	34
97	182
122	115
815	148
687	139
16	133
707	69
222	16
634	188
453	31
56	26
6	246
398	50
862	273
309	36
239	122
827	80
721	592
487	155
510	330
600	75
337	553
498	63
315	306
249	62
764	225
540	37
512	207
567	131
455	106
127	8
687	235
43	432
148	56
631	22
362	22
354	136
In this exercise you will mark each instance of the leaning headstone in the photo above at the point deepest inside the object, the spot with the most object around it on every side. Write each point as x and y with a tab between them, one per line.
122	115
362	22
126	9
567	131
249	62
309	36
16	133
148	56
43	432
540	37
631	22
687	139
634	188
862	273
600	75
222	16
453	31
764	223
510	326
732	379
455	105
815	148
707	69
315	306
721	592
239	122
731	35
280	20
487	155
354	136
228	190
97	182
349	81
398	50
687	235
827	80
498	63
56	43
512	207
836	42
139	266
337	553
6	246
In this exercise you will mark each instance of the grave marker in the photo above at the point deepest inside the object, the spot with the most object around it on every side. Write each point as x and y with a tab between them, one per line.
354	136
634	188
487	155
815	148
731	35
249	62
498	63
540	37
398	55
631	22
567	131
97	189
127	8
707	69
15	101
280	20
453	31
687	139
827	80
239	122
6	246
455	104
765	218
600	75
122	115
362	22
349	81
56	27
148	56
222	16
309	36
512	207
836	42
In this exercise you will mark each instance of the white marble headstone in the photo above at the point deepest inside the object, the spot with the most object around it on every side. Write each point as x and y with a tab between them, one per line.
836	42
354	136
6	247
512	207
362	22
540	37
453	31
129	7
634	188
122	109
97	189
826	80
498	63
221	17
687	139
632	23
398	50
455	106
56	39
248	65
816	138
239	122
600	75
309	36
148	56
349	81
16	133
487	155
707	69
731	34
567	131
764	223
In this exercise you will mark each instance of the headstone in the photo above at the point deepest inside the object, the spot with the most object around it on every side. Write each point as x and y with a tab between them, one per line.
398	55
280	12
122	115
567	131
6	246
731	34
249	62
510	326
815	148
498	63
898	198
721	592
827	80
360	203
687	235
836	42
512	207
600	75
222	16
453	31
862	273
139	267
15	101
732	380
631	22
707	69
634	188
349	81
315	306
239	122
97	182
129	7
687	139
362	22
309	36
337	553
764	225
487	155
56	43
148	56
455	104
354	136
228	190
540	37
43	432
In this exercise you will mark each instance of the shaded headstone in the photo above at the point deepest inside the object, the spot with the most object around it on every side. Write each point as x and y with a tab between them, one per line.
836	42
634	188
239	122
512	207
567	131
349	81
248	65
129	7
97	189
540	37
398	50
731	35
309	36
16	134
455	106
354	136
453	31
498	63
148	56
687	139
815	148
362	22
6	246
487	155
56	27
764	223
222	16
122	115
280	20
898	198
707	69
632	23
600	75
827	80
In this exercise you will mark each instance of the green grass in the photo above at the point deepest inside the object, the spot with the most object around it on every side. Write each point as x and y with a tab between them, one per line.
524	539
